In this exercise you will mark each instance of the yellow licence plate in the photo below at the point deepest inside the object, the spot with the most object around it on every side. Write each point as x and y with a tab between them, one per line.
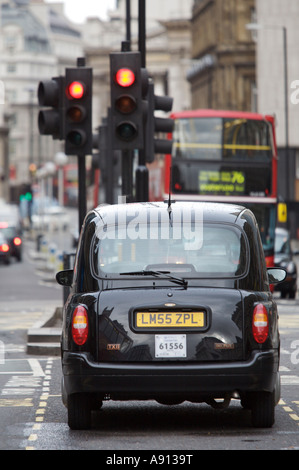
170	319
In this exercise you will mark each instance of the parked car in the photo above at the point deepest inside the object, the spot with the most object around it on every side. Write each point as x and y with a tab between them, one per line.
13	235
4	249
172	303
284	258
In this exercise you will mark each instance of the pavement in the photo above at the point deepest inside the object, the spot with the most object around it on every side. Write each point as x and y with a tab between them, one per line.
43	338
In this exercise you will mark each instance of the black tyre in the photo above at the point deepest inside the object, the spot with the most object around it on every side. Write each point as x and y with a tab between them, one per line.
292	294
263	410
79	411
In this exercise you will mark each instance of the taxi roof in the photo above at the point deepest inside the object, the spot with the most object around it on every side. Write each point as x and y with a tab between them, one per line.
208	211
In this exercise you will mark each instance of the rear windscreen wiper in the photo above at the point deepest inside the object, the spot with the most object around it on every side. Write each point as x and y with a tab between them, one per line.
163	274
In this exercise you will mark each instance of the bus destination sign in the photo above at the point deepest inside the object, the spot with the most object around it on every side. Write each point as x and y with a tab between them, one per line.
223	182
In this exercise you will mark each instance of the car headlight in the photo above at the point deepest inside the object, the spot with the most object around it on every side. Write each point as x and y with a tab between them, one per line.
291	267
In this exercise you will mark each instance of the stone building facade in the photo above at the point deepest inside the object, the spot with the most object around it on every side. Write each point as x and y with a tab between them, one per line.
223	54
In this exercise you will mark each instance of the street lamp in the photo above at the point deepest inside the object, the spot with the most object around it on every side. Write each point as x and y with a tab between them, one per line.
257	27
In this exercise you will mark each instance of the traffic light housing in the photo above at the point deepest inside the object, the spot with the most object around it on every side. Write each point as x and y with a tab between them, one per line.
78	111
157	124
127	82
50	94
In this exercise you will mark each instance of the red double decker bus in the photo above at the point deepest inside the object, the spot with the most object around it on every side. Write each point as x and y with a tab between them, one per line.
223	156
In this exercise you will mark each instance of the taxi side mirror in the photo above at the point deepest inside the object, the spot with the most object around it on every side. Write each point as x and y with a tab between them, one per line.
276	275
65	278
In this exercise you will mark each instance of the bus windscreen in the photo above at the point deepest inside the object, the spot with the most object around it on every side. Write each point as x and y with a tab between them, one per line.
222	156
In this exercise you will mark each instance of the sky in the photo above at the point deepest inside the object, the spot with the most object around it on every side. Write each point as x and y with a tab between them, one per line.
78	10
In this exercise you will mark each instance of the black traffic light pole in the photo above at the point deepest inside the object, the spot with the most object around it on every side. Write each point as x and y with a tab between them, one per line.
109	156
82	203
142	171
141	32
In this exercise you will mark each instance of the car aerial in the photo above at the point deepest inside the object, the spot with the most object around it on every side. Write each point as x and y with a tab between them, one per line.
4	249
14	237
171	302
283	257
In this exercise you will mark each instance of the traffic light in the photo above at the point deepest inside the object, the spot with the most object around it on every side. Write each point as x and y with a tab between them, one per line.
78	111
50	121
127	81
26	193
157	124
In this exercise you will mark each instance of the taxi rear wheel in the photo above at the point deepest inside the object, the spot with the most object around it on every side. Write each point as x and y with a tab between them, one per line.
262	409
79	411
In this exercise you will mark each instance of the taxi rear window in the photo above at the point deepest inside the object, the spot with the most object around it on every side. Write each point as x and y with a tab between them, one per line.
214	251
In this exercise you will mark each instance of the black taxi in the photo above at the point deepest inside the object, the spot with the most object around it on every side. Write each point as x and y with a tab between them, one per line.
170	301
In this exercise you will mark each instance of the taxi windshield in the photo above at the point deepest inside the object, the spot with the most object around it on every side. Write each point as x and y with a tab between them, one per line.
215	251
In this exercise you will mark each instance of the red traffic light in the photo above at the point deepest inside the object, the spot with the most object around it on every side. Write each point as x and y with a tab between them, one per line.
127	106
125	77
78	111
76	90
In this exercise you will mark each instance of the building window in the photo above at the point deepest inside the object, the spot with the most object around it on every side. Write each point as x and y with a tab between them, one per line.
11	68
10	43
11	96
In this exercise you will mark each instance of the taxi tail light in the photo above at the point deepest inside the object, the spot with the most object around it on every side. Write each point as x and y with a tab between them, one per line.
17	241
260	323
4	248
80	325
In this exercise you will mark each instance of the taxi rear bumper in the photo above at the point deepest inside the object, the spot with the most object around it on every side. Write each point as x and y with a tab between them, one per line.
151	380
